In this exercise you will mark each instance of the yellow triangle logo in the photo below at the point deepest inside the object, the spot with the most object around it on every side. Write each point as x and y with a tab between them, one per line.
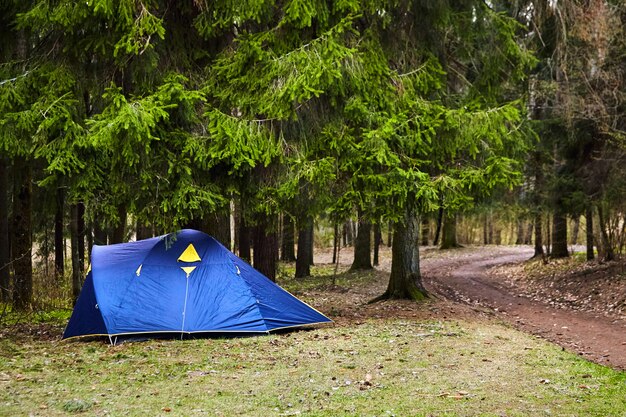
188	269
189	255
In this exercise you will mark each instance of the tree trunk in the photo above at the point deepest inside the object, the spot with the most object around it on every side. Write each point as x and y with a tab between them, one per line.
80	222
528	238
485	230
312	240
390	235
303	263
143	231
519	239
362	246
5	249
336	239
59	240
217	224
266	248
119	232
589	232
609	254
22	235
405	281
559	235
77	267
438	228
287	252
448	240
575	230
425	230
347	233
377	241
99	234
244	239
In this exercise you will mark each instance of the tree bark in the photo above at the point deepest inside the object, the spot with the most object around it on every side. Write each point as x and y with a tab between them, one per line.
589	232
609	254
5	249
448	240
59	241
287	252
438	228
143	231
347	233
377	241
99	234
390	235
405	281
312	240
217	224
80	222
336	239
575	230
77	267
266	248
303	263
22	235
425	230
119	232
559	235
538	235
362	246
519	239
244	239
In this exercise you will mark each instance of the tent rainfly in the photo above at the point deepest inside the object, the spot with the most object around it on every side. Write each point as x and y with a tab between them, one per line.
181	283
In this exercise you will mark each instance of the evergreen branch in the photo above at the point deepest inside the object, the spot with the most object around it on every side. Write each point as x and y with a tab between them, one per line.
14	79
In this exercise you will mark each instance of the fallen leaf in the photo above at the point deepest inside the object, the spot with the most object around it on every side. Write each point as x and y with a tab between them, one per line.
166	409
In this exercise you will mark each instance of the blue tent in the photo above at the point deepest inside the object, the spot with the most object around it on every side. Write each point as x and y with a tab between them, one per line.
181	283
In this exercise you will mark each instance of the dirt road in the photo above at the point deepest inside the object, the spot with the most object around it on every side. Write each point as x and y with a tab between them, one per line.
466	278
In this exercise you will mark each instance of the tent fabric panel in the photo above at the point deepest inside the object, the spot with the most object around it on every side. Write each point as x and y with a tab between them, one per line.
152	301
220	300
86	318
278	307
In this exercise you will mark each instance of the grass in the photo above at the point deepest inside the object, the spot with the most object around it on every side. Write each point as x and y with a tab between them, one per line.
374	362
377	368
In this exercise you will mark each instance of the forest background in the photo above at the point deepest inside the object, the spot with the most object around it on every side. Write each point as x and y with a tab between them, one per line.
332	123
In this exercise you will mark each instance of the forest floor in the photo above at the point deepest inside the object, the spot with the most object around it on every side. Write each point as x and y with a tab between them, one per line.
578	305
457	354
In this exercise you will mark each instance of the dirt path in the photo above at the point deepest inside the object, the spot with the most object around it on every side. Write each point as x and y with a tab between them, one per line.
466	278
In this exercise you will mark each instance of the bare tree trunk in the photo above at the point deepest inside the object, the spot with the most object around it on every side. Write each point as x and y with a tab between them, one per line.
390	235
609	254
336	239
22	235
559	235
217	224
362	245
377	241
244	239
119	232
312	240
80	222
143	231
266	248
347	233
303	263
589	231
77	267
449	232
519	239
528	238
438	228
99	234
287	253
5	248
575	230
425	230
405	281
538	235
59	240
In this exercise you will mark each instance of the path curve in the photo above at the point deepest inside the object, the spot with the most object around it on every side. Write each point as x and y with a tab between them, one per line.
466	279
